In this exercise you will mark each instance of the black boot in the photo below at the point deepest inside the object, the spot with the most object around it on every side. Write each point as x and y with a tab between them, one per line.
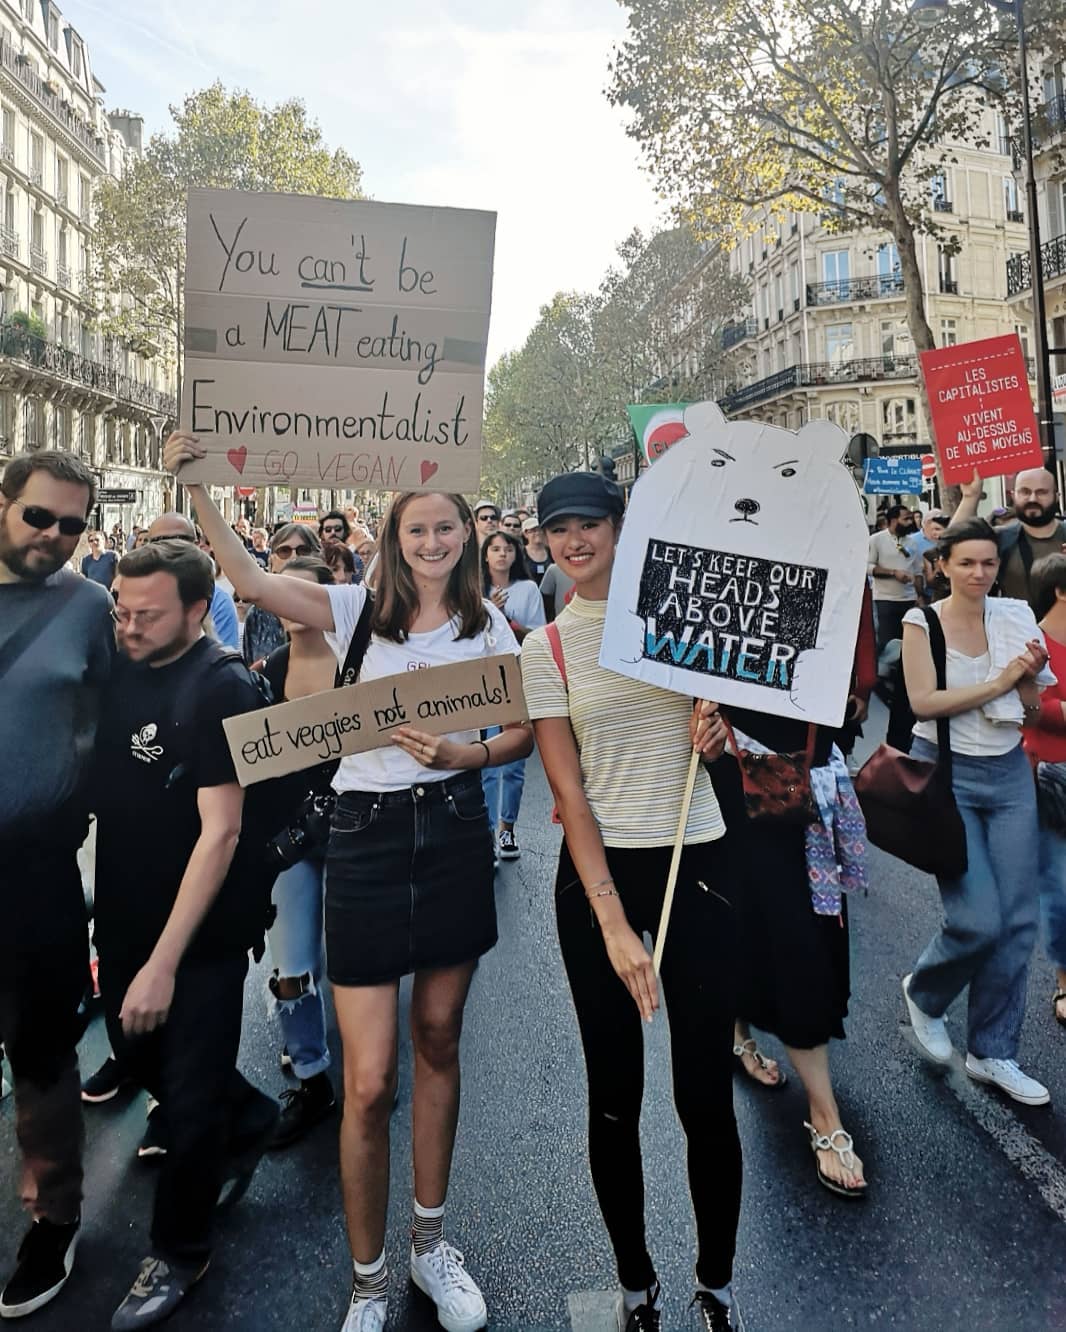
302	1108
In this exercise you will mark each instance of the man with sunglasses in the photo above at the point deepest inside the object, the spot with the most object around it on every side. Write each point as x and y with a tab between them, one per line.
56	652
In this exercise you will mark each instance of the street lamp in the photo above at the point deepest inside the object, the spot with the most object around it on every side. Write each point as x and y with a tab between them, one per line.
927	14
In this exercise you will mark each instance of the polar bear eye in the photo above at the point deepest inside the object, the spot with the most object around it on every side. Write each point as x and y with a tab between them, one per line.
717	462
788	471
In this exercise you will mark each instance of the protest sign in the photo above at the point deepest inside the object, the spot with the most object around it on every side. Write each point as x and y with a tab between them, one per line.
656	426
981	408
465	696
335	343
740	569
894	476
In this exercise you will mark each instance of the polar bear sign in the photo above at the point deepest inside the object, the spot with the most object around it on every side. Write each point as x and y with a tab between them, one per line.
740	569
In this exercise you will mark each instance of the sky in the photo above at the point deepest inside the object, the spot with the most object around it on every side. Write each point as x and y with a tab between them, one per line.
467	103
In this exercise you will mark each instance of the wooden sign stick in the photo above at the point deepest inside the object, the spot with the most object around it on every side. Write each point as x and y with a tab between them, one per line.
675	860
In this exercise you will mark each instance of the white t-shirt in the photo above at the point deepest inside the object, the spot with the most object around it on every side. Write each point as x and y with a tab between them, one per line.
389	768
524	604
888	551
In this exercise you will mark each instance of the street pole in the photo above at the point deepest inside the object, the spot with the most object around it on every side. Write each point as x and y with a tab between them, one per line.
1045	403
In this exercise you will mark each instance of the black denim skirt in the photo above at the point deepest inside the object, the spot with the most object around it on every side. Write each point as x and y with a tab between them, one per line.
409	881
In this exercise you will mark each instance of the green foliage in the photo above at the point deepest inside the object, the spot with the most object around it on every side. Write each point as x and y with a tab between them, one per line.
220	140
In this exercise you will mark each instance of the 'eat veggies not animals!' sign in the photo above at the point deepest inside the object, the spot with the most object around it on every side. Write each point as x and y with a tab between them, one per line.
981	408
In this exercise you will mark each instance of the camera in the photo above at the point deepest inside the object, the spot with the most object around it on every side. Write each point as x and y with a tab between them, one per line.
306	834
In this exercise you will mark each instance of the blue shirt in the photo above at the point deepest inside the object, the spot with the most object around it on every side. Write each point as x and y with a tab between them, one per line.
224	617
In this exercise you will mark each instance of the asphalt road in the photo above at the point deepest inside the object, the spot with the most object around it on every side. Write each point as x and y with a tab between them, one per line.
963	1227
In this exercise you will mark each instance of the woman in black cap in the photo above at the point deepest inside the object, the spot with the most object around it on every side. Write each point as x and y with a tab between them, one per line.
616	752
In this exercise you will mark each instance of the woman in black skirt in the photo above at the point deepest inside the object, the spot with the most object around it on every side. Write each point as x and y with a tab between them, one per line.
409	877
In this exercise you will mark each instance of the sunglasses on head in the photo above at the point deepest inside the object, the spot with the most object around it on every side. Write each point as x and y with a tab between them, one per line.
43	519
286	551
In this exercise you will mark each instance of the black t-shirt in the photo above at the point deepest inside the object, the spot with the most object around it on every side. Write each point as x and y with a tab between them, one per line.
538	568
160	740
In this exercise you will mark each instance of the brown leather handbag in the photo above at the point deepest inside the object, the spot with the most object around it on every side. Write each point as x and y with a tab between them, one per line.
908	803
777	786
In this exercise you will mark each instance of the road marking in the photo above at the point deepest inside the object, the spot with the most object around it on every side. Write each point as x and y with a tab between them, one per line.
593	1310
1027	1154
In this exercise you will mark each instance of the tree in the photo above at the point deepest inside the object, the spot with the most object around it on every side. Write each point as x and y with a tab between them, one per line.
845	107
220	140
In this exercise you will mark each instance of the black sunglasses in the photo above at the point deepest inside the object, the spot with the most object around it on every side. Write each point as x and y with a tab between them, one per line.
286	551
43	519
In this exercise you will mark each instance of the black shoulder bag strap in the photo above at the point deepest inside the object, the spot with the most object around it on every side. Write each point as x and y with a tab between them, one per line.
27	634
939	648
353	659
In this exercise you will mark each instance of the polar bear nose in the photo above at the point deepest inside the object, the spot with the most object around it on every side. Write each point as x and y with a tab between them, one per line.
747	507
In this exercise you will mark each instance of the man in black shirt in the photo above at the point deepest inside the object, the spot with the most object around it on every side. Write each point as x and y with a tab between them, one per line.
176	905
56	648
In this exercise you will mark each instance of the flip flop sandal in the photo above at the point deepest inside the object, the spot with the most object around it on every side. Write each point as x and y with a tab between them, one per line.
821	1142
749	1047
1055	999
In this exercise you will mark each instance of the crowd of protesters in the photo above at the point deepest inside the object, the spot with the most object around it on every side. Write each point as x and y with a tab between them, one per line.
119	666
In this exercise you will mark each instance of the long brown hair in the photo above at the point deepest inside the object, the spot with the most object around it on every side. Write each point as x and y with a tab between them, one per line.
395	594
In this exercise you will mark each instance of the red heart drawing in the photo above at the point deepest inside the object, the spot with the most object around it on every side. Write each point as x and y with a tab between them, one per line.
428	470
237	458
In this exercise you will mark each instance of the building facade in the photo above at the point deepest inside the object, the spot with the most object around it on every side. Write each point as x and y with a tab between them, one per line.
62	383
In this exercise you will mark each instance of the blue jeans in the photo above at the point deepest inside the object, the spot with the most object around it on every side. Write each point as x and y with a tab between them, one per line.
1053	895
296	950
991	913
503	787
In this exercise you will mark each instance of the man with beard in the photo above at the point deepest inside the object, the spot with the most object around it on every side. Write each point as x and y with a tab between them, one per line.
1038	531
56	649
176	906
895	572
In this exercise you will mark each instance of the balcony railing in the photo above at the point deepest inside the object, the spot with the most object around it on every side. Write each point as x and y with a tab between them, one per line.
37	175
7	152
9	242
814	374
1015	215
64	277
62	113
38	261
949	286
18	344
61	197
1054	113
734	333
1052	262
844	290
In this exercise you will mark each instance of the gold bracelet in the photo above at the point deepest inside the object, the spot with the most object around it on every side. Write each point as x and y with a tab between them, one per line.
604	892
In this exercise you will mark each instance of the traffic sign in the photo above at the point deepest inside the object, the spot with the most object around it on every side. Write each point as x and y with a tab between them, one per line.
116	497
928	466
244	492
892	476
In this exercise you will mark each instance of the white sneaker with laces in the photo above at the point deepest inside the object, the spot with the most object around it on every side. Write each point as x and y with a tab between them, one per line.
366	1314
441	1275
931	1033
1008	1077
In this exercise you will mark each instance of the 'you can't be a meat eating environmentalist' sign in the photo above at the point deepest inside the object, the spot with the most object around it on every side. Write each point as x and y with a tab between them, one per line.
335	343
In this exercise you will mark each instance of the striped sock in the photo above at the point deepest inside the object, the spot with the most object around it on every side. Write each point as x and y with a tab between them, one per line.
427	1229
371	1279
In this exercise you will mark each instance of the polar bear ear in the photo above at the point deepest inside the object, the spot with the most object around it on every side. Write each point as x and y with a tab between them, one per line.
704	419
824	440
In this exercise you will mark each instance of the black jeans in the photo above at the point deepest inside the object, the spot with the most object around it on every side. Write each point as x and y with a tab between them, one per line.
44	972
698	984
189	1066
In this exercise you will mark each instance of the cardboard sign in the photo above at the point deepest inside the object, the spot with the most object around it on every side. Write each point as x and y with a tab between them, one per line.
981	408
893	476
740	569
335	343
289	737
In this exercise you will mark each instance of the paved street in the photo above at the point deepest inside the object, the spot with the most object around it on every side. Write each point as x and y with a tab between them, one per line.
963	1227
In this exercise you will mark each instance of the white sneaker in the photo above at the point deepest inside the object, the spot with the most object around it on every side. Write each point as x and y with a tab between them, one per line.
440	1274
367	1314
930	1032
1007	1076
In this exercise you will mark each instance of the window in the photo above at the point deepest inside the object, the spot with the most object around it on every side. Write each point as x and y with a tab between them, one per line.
36	158
839	343
37	229
75	56
84	197
946	266
1022	331
949	333
843	414
62	178
794	286
895	342
1011	205
899	419
779	296
836	271
53	30
9	209
889	272
940	192
8	137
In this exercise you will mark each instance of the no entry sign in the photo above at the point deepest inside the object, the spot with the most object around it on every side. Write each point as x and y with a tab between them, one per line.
928	466
981	408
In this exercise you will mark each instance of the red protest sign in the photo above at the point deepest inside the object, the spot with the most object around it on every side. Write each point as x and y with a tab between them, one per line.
981	408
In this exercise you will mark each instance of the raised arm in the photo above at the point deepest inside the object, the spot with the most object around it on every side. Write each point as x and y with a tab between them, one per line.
971	496
289	598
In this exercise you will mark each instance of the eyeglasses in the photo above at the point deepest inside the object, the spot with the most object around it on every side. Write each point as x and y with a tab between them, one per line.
123	616
286	551
43	519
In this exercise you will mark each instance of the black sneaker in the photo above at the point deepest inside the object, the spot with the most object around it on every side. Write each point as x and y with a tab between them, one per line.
508	843
302	1108
715	1317
646	1317
159	1289
105	1084
153	1145
45	1258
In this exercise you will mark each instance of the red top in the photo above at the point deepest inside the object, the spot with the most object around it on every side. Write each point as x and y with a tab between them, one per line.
1045	738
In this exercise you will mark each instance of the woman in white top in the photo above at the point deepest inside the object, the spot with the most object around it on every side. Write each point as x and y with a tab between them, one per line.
990	913
507	583
409	884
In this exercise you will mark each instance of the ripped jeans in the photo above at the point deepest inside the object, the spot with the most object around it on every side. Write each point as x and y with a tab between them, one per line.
296	950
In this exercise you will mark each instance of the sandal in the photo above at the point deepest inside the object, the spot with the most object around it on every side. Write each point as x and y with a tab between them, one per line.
844	1148
1056	999
749	1047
